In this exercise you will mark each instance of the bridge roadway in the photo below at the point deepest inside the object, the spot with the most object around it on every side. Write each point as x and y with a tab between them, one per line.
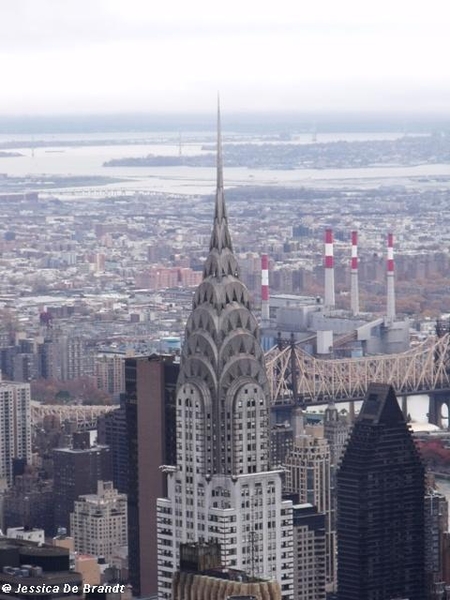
296	377
85	416
94	192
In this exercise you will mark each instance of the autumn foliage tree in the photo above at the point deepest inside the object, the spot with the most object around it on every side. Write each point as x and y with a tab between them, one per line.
435	454
82	390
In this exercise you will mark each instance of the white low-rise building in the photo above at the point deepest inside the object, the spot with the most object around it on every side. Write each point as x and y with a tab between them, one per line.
28	534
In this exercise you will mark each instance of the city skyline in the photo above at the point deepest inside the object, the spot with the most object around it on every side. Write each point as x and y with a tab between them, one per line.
101	58
202	460
223	341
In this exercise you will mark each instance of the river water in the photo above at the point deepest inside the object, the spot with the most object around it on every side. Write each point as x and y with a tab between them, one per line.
417	408
88	161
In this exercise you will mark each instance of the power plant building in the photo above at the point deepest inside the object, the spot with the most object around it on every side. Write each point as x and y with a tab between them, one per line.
324	330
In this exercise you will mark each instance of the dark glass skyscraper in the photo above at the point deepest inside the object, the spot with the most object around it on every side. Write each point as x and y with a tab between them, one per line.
150	383
380	492
112	432
77	471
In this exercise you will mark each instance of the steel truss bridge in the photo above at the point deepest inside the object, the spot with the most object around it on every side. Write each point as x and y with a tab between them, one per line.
84	416
296	377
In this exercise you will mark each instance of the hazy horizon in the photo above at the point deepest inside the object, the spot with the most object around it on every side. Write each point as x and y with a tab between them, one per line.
273	122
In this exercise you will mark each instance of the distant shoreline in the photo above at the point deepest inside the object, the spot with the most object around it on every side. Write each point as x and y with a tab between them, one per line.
10	154
403	151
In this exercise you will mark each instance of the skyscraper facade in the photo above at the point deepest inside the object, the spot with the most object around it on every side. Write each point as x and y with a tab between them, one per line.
109	371
76	357
112	432
29	502
436	526
308	474
15	427
222	488
77	471
335	430
381	489
309	553
150	433
98	523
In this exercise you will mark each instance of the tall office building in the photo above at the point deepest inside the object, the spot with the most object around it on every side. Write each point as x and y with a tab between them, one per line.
308	474
222	488
24	366
436	526
281	440
29	502
49	357
381	489
77	471
109	370
112	432
15	427
76	357
98	523
335	430
150	426
309	553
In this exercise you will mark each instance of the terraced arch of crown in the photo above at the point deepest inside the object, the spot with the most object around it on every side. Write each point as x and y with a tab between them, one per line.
221	264
219	295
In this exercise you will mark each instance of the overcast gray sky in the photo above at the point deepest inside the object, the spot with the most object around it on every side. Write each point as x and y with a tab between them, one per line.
63	56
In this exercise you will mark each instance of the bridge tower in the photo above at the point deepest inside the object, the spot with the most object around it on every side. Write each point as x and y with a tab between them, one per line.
439	397
437	401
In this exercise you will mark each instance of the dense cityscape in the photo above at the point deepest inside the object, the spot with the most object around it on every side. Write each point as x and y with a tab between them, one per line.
182	373
224	300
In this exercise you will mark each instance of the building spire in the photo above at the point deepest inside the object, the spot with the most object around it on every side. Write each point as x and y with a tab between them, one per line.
219	151
220	237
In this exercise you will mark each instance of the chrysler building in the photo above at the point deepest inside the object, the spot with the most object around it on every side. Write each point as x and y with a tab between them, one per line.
222	488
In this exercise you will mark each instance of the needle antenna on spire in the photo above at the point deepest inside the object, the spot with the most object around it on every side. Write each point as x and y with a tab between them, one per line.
219	148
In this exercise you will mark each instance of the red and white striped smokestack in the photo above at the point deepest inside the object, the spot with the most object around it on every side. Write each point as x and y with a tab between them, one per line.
264	289
390	308
354	289
329	300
